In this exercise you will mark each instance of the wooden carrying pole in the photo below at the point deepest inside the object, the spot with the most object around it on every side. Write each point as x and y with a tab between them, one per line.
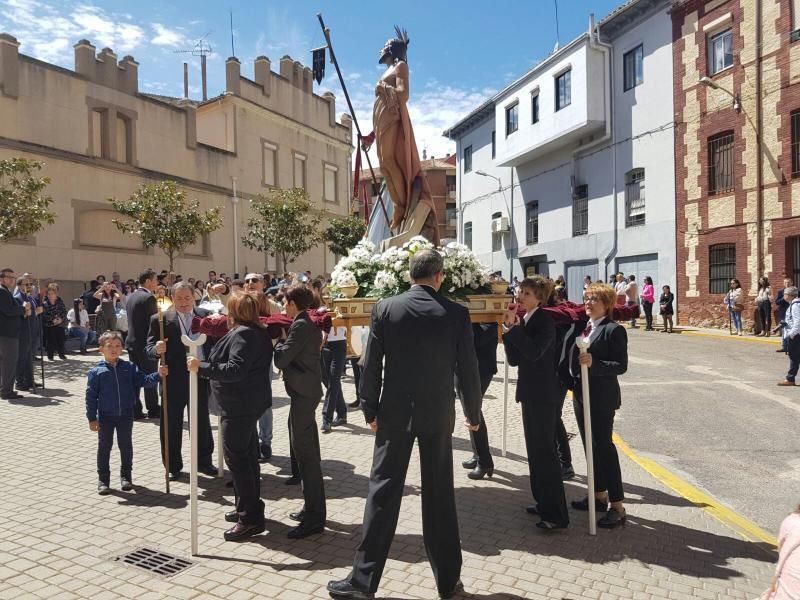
164	413
583	346
193	345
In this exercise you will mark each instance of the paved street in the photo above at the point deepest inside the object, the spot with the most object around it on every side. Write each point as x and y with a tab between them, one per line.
705	408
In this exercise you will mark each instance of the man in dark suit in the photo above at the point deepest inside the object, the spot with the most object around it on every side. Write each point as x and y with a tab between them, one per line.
177	322
418	342
140	307
298	356
11	315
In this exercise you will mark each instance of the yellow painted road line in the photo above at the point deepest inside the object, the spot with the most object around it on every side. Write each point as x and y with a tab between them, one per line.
744	527
774	341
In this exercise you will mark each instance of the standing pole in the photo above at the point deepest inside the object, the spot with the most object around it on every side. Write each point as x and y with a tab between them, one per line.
164	404
220	450
327	33
583	346
193	345
505	404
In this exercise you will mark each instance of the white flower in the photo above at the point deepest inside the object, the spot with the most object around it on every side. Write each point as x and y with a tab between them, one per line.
385	281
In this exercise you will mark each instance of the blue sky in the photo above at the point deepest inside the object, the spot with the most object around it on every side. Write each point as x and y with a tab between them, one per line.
460	52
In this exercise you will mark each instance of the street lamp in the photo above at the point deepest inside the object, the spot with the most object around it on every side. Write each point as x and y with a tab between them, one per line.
710	83
510	217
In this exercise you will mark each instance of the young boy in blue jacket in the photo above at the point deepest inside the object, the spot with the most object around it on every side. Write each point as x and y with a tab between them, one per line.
111	390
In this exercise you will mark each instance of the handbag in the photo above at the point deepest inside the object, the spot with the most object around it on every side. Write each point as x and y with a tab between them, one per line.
738	307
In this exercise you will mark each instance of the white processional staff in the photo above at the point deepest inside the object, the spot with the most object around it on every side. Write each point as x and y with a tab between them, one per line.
583	345
193	345
505	403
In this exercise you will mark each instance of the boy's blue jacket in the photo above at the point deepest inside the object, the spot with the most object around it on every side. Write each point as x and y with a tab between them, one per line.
111	390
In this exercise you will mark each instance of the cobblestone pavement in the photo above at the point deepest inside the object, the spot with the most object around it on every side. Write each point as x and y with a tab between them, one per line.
58	538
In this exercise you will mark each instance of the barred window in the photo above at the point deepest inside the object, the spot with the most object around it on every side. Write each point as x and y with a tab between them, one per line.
532	223
580	210
720	163
721	267
796	143
634	198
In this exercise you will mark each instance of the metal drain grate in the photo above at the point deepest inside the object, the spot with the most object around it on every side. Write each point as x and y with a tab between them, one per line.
159	563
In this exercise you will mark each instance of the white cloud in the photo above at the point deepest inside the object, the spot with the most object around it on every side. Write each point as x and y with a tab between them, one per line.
282	35
168	37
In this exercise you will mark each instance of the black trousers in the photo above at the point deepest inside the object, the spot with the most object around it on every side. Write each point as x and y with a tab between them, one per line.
333	359
24	374
607	472
105	440
177	406
145	365
648	313
55	337
479	440
240	445
539	418
439	519
304	440
765	314
793	348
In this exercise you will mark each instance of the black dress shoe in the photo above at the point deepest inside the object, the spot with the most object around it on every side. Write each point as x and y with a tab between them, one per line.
532	509
339	422
175	476
62	356
344	589
232	516
139	417
470	464
264	453
12	396
458	588
293	480
298	516
613	519
242	531
479	472
153	415
209	470
550	526
303	530
355	404
599	505
567	473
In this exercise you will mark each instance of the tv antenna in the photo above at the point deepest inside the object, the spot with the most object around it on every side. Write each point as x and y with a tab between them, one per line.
202	49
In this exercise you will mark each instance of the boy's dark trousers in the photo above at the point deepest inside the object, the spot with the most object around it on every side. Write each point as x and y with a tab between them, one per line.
124	429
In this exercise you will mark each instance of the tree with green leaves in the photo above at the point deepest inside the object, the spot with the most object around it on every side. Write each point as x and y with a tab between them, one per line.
24	209
283	225
160	215
344	233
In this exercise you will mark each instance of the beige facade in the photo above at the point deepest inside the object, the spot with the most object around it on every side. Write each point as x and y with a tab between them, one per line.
99	137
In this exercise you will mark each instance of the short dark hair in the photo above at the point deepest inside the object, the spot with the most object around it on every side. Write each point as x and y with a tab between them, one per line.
301	295
632	277
107	336
146	275
425	263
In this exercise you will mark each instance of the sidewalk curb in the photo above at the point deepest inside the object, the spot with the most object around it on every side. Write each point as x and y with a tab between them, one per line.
772	341
741	525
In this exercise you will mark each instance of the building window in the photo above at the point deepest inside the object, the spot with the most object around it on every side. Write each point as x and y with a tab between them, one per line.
299	171
795	21
468	234
796	143
721	267
451	215
512	118
580	210
563	92
535	108
634	198
451	186
720	51
123	139
532	223
99	134
793	266
269	164
329	184
633	67
468	159
494	144
720	163
497	237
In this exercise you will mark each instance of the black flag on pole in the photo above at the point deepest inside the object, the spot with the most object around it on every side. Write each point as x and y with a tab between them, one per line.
318	60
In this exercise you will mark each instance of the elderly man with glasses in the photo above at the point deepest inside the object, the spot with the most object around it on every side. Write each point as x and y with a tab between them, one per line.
11	315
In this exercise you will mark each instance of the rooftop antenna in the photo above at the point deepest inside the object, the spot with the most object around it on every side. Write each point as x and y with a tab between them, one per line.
202	49
558	37
233	49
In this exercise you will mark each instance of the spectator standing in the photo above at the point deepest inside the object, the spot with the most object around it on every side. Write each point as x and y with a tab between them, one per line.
107	317
781	304
78	319
141	306
90	301
11	315
632	296
791	334
29	333
666	309
54	318
620	287
254	283
764	304
199	288
786	583
648	299
734	300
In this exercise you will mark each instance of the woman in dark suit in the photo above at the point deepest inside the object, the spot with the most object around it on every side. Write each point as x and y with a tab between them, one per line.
530	344
606	358
238	368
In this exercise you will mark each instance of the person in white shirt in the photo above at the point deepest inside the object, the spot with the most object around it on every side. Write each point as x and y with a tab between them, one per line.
619	288
791	334
79	326
632	295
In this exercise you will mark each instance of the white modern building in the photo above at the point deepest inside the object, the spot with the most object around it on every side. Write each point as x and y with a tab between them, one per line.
570	169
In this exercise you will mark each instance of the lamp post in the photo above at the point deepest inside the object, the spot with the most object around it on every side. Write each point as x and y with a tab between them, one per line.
510	217
710	83
235	202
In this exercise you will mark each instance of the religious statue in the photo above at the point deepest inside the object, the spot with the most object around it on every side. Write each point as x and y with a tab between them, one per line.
412	202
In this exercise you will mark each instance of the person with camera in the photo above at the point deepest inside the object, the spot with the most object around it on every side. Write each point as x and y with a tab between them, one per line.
108	295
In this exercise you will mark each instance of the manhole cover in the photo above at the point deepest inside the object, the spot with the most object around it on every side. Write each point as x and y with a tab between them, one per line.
159	563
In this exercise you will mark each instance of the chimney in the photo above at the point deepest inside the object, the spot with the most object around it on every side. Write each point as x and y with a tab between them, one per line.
287	65
347	121
85	63
190	112
297	74
331	107
9	65
107	68
233	76
263	74
129	76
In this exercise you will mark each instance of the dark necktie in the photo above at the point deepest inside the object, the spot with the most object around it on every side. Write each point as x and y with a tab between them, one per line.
588	330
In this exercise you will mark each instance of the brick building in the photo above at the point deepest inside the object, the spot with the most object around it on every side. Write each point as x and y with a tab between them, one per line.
737	150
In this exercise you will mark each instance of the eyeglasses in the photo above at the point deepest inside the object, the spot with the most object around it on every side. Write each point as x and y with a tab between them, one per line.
592	299
253	280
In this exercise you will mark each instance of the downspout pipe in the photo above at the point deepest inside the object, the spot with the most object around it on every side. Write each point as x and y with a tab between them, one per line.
759	142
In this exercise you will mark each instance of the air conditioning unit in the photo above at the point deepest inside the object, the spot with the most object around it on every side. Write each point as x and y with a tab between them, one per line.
500	225
581	192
